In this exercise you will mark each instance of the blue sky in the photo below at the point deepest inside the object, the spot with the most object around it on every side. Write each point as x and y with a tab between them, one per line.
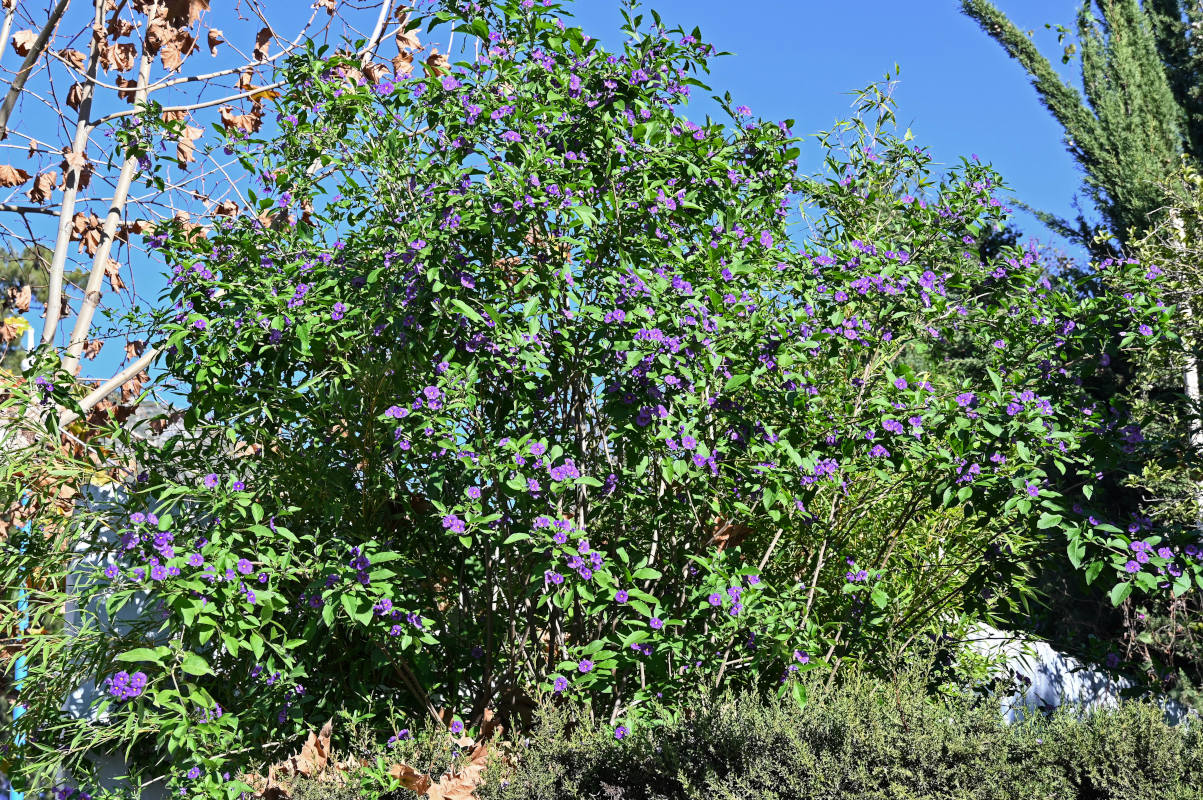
958	91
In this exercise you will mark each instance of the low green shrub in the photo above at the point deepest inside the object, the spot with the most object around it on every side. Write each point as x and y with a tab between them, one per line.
867	739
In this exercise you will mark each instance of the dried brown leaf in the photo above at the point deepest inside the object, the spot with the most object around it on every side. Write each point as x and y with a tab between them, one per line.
126	89
186	12
134	348
73	57
175	115
86	228
133	387
410	778
175	51
76	164
158	34
375	72
75	96
112	271
9	331
12	176
329	5
186	144
43	185
245	122
23	41
403	64
436	64
246	80
118	27
262	39
407	40
226	208
92	348
19	298
120	57
215	38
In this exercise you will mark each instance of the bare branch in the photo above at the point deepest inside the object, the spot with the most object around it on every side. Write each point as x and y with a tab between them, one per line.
35	52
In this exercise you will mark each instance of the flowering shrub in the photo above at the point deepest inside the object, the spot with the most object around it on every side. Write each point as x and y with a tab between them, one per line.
518	385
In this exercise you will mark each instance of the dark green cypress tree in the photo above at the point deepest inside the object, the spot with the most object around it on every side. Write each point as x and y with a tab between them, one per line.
1139	110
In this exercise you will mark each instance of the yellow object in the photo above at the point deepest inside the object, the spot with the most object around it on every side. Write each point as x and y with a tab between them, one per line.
19	323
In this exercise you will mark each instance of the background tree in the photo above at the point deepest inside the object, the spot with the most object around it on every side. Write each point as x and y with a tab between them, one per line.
1139	111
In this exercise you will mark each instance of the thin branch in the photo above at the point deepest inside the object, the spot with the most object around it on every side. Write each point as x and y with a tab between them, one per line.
35	52
102	391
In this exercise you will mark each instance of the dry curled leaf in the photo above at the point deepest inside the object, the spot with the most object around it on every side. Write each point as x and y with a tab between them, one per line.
407	39
92	348
226	208
244	122
403	64
73	57
436	64
186	144
126	89
410	778
262	39
23	41
75	96
175	51
215	38
18	298
112	271
9	331
86	228
186	12
133	387
120	57
135	348
12	176
119	27
246	79
375	72
175	115
329	5
43	185
158	34
76	166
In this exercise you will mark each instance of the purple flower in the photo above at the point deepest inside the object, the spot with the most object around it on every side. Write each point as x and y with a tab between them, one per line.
244	566
620	732
338	311
879	452
900	383
585	665
965	399
537	449
473	492
561	683
211	480
111	571
1145	330
716	599
1032	490
432	392
158	572
621	596
194	773
656	623
457	726
1132	566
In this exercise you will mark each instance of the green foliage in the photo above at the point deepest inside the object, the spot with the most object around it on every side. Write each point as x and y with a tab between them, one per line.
1128	130
513	387
867	738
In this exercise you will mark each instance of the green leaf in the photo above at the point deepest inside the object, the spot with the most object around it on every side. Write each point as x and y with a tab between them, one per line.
646	573
735	381
1048	520
195	665
1120	592
153	655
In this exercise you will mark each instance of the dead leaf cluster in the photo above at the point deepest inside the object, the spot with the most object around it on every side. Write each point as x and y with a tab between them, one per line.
87	230
79	164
